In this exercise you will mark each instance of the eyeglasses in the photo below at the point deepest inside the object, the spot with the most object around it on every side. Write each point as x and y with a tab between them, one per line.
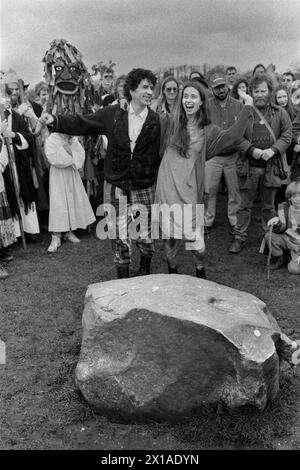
171	89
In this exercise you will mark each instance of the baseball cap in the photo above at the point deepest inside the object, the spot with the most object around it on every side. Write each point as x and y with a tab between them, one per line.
217	79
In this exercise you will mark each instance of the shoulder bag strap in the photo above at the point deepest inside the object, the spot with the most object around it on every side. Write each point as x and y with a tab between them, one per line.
265	123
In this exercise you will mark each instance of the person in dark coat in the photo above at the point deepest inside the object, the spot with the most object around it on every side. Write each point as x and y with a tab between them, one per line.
131	163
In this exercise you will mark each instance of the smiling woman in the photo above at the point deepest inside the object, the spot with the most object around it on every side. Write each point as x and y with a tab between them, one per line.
189	141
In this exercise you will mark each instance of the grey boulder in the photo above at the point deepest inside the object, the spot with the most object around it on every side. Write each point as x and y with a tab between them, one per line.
163	346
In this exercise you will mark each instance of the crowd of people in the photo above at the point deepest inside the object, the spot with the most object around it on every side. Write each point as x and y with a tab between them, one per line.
78	139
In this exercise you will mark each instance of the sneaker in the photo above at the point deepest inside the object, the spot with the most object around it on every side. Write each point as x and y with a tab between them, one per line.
236	246
3	273
55	243
71	237
277	262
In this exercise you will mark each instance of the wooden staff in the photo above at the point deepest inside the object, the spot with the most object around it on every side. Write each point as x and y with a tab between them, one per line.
270	251
11	159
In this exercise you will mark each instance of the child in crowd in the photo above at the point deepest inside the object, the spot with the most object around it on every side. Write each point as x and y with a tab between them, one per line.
285	240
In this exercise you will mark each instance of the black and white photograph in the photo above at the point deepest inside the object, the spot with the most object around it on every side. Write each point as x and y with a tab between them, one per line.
149	228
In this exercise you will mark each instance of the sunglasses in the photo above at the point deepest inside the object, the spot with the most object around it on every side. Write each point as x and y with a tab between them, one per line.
171	89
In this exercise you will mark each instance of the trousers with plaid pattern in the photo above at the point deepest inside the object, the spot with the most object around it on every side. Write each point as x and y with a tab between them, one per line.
128	204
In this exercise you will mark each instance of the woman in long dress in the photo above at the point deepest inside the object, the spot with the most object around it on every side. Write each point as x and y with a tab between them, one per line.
190	140
70	207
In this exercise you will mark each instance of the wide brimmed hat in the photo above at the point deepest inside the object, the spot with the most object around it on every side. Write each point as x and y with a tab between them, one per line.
11	77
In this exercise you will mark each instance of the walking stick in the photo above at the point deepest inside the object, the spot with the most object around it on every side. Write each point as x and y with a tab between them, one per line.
270	251
11	159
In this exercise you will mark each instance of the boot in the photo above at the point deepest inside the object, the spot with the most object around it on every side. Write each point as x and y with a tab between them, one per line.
172	270
144	266
236	246
123	271
200	273
277	261
5	255
3	273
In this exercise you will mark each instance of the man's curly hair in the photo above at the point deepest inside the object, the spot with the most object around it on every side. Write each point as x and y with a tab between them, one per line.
134	78
258	79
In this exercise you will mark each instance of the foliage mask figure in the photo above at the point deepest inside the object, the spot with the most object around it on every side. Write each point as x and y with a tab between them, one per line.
65	74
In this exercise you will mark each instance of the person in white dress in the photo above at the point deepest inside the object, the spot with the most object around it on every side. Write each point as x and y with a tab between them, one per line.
70	208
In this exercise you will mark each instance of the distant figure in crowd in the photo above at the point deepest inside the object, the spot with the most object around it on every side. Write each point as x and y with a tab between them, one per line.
240	84
261	158
198	77
190	140
231	74
168	97
42	93
287	79
259	69
119	87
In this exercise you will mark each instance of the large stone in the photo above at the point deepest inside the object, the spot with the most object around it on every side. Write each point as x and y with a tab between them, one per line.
162	346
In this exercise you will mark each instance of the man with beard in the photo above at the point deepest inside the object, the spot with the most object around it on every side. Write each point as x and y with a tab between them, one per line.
262	155
22	140
224	112
131	163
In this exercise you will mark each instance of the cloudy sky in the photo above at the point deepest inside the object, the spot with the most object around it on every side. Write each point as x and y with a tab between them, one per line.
151	33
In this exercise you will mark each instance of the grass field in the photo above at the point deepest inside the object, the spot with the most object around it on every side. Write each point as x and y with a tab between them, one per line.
41	306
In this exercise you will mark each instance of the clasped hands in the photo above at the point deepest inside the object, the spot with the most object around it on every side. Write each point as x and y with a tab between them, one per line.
265	154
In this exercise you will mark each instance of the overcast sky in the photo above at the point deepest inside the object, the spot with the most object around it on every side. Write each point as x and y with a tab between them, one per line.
151	33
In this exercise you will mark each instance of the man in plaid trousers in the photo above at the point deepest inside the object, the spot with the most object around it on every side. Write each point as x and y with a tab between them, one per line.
132	159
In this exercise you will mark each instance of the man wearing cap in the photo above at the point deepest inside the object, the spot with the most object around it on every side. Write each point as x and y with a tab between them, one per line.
224	112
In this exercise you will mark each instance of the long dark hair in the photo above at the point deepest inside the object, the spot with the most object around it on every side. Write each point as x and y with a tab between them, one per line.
234	91
177	134
162	100
290	108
